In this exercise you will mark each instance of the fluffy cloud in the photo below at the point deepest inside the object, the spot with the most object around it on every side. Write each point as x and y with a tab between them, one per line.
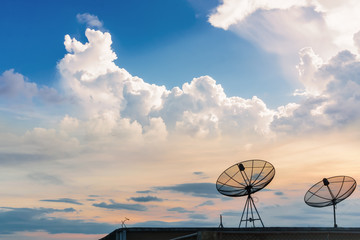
286	26
15	88
232	11
317	30
110	104
109	97
331	94
14	84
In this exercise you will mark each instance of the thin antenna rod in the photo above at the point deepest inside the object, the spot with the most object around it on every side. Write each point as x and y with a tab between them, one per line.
335	225
221	224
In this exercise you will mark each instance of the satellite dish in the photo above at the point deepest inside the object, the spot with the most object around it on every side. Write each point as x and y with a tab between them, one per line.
330	191
243	179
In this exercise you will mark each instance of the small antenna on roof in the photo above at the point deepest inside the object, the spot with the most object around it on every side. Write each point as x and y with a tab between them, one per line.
221	224
123	222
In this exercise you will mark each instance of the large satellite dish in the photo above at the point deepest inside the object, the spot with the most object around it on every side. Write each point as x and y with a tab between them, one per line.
330	191
243	179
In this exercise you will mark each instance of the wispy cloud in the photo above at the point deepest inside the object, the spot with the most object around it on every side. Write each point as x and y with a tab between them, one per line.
119	206
36	219
179	210
207	203
146	199
90	20
198	216
63	200
93	195
207	190
145	191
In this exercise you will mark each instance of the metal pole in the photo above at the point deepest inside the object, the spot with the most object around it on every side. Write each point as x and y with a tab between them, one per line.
257	213
252	213
247	210
242	215
335	225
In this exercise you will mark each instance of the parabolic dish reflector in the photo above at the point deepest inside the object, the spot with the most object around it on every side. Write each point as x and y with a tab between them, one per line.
330	191
245	178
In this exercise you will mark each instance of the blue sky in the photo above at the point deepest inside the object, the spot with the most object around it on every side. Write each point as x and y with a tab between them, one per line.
114	109
146	36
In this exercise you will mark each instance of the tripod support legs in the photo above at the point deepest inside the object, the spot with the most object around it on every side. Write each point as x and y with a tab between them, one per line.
249	215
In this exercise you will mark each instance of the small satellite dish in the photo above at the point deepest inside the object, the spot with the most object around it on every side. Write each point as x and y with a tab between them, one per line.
330	191
243	179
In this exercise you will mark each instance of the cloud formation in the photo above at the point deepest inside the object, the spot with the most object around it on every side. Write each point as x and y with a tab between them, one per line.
63	200
179	210
110	115
89	19
206	190
110	102
331	91
120	206
37	219
207	203
111	97
146	199
275	25
16	87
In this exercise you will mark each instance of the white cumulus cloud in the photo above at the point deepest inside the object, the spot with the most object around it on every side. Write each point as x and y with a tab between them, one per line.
332	94
14	84
16	87
109	94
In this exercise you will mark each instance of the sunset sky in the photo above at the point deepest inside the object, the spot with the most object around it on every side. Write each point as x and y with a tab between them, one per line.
112	109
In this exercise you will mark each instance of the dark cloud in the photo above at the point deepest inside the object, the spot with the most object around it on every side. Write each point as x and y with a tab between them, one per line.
63	200
206	203
207	190
146	199
119	206
198	216
93	196
279	193
36	219
235	213
202	175
146	191
179	210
